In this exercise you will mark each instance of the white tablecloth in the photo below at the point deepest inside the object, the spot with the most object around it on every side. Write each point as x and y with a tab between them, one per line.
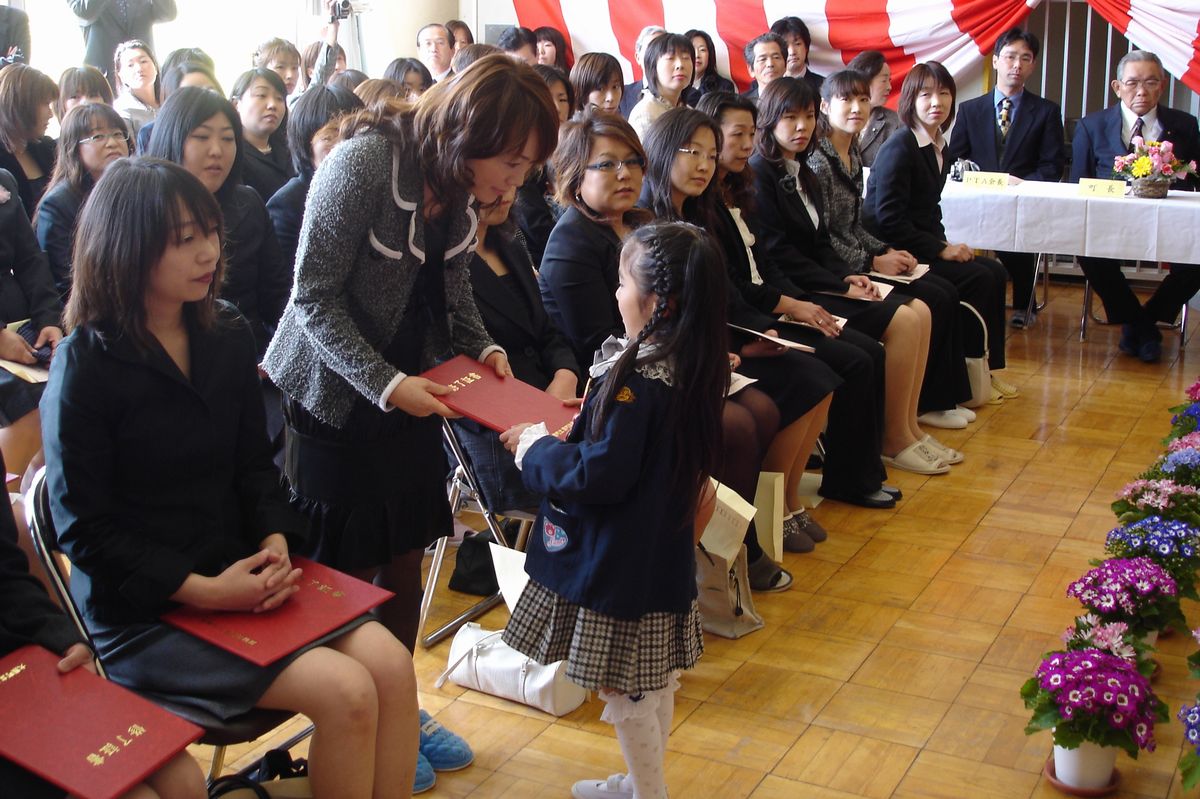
1054	218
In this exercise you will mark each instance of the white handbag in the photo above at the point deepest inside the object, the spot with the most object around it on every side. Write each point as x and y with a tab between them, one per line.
977	369
479	660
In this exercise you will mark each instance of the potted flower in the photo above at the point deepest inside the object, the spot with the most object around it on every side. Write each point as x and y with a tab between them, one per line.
1189	763
1111	638
1151	167
1136	591
1162	497
1172	544
1094	703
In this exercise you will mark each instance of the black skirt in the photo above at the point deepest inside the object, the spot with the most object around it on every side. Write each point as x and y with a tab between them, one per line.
17	397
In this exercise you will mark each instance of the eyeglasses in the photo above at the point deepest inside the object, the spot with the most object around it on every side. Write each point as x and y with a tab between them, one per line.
697	154
629	164
101	139
1149	84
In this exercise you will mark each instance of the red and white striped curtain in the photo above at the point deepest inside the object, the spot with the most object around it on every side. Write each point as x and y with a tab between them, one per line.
959	33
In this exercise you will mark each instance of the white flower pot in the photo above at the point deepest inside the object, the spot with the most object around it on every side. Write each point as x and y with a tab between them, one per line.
1089	766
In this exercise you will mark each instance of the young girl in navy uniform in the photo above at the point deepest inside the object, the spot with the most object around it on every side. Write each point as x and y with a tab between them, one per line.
613	586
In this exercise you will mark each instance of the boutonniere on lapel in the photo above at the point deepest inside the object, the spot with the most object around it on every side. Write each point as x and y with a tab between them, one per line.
788	182
5	195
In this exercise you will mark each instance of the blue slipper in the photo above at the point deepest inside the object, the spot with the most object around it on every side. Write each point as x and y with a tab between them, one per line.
444	750
424	779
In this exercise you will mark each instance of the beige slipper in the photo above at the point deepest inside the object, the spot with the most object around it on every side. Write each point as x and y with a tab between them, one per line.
948	455
918	459
1006	389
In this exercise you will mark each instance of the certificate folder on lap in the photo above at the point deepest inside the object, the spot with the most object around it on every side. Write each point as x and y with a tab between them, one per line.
90	737
498	403
327	599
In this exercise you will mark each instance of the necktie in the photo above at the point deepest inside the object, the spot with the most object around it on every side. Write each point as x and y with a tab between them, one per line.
1005	117
1136	131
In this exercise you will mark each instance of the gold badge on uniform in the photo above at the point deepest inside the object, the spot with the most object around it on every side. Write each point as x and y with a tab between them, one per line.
625	395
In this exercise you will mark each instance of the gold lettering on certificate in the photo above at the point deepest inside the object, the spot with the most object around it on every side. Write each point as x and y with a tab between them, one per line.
464	381
13	672
109	749
327	589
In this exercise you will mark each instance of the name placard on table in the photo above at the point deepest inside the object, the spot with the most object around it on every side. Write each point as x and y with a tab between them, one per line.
1095	187
993	181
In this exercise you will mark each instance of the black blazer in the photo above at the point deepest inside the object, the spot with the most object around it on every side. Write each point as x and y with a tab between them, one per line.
904	193
55	228
257	280
533	215
717	83
26	288
153	475
760	298
104	28
266	174
14	32
536	350
286	208
1034	150
803	252
578	281
43	151
1098	141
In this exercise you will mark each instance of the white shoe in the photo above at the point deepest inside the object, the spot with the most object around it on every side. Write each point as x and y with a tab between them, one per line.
948	455
947	420
965	413
611	788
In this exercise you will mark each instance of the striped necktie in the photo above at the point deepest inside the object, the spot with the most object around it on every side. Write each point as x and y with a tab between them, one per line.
1138	125
1005	117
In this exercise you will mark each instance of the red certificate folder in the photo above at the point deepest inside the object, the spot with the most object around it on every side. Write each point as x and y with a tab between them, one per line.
327	599
498	403
88	736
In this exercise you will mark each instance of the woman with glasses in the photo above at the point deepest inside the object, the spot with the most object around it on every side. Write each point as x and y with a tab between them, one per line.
92	137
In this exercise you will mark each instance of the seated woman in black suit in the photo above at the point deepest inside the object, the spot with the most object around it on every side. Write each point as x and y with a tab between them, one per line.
316	107
26	100
163	492
682	186
91	138
845	98
883	121
790	210
598	169
504	283
903	209
261	101
174	78
202	132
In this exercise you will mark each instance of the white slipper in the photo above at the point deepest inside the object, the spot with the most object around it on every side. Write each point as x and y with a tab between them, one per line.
948	455
918	459
947	420
965	413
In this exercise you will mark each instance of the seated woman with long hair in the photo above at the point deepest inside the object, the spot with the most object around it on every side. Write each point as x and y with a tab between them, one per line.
91	138
903	208
708	79
171	80
26	99
682	151
845	100
163	492
412	75
79	85
883	121
790	214
597	82
137	84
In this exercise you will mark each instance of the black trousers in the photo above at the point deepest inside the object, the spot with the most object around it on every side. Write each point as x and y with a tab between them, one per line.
1122	305
981	283
946	383
854	434
1020	266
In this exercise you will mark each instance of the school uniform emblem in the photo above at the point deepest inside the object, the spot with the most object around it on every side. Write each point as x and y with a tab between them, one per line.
625	395
554	538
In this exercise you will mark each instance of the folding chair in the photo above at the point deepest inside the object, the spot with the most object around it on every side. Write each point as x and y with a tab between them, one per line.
242	729
466	494
1140	276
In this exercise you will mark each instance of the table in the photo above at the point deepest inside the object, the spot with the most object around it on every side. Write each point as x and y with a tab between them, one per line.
1035	216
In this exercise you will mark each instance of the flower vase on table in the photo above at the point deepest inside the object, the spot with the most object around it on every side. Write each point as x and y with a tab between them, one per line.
1151	167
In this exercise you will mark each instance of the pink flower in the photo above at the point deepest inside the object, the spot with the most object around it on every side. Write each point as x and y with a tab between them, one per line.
1137	141
1167	147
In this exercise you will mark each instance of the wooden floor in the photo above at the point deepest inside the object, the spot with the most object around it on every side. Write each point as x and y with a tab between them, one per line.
892	668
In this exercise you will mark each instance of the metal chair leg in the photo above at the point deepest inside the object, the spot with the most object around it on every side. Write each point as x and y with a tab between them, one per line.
1087	310
1044	263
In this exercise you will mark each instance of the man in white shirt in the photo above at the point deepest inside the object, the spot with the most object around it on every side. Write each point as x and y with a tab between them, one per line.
434	48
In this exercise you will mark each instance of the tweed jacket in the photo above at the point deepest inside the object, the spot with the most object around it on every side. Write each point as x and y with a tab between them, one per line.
361	244
882	123
842	193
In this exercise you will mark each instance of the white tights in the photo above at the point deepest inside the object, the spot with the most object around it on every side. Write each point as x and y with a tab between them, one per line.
643	722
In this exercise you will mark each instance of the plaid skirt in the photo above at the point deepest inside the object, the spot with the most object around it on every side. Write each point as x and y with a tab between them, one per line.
627	656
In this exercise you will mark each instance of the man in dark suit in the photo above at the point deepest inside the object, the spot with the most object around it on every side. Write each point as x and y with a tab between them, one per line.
14	33
799	41
766	58
1101	137
632	92
1013	130
107	23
